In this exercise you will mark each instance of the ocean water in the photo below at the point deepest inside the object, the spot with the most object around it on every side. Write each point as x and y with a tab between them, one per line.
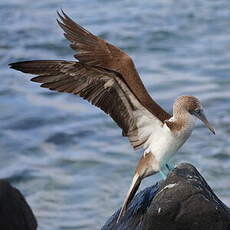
67	157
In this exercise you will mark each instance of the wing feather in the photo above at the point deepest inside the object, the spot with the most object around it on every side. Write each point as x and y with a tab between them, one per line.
94	51
98	86
105	76
103	88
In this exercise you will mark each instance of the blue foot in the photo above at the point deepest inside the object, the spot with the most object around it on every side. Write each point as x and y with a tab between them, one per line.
163	175
167	166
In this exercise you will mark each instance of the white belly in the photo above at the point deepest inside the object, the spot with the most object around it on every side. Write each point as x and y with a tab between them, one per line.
163	144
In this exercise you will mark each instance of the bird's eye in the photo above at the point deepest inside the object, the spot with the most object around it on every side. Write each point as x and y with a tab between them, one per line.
197	111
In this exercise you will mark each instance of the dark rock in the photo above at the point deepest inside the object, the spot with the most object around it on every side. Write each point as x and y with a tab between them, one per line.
15	213
184	201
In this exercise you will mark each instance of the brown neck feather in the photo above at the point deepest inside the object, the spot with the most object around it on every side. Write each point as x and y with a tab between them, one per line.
181	118
176	125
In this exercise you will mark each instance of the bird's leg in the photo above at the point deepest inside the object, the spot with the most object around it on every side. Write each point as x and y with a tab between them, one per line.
167	166
170	166
146	166
164	176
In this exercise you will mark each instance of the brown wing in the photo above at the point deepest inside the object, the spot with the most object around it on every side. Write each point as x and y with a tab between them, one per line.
94	51
98	86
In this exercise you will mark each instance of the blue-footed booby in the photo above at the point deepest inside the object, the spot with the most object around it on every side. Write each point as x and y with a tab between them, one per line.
106	76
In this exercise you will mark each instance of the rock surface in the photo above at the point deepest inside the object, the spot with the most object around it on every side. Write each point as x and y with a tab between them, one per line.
184	201
15	213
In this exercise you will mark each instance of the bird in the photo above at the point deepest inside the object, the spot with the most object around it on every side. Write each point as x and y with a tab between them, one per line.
106	76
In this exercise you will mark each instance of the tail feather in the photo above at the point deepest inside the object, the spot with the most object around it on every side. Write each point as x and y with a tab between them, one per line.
132	191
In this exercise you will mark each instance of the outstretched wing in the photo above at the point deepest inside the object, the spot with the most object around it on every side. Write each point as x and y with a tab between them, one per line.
94	51
103	88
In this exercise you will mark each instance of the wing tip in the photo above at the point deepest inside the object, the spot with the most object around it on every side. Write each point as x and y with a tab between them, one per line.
62	15
15	65
59	13
11	65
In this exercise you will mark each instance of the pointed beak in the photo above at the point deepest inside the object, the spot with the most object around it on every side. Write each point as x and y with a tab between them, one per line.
200	115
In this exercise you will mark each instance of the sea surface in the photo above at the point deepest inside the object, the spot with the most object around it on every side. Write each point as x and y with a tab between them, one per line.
67	157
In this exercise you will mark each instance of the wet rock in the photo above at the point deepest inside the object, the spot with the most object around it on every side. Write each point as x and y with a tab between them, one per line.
184	201
15	213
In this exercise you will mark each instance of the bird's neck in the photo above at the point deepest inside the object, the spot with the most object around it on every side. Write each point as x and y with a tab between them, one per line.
182	121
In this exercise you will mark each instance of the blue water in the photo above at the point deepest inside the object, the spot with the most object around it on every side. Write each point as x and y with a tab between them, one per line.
67	157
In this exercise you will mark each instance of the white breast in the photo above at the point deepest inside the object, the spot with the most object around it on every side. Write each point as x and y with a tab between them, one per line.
156	137
163	143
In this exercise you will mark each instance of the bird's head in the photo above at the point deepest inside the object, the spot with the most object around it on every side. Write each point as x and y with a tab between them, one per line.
194	107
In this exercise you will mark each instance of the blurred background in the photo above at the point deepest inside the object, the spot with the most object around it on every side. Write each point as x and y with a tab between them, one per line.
67	157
